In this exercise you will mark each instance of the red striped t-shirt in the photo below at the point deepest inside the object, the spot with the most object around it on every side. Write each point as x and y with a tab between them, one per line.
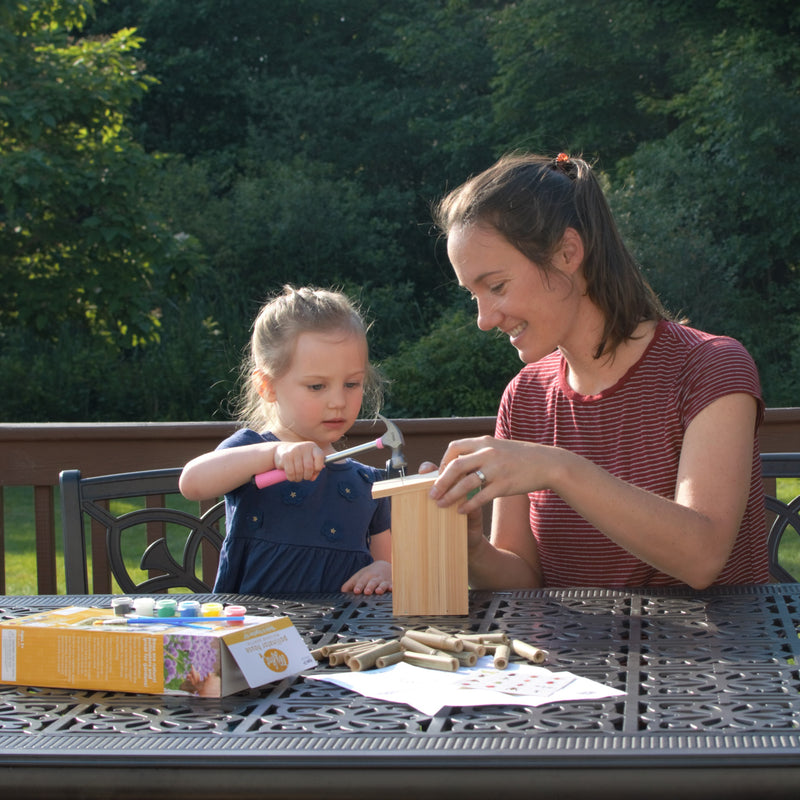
634	430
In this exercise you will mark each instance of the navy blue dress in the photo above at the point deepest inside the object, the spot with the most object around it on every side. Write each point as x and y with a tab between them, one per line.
308	536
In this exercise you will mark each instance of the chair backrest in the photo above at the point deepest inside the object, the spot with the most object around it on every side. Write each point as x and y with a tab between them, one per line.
787	516
116	527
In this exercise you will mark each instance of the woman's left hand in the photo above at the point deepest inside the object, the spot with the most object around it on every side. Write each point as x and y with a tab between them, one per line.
475	471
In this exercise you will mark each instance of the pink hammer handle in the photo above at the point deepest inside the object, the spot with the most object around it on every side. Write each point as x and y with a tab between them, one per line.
269	478
274	476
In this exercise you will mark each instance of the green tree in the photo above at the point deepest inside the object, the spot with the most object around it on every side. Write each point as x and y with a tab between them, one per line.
78	240
454	370
712	206
315	136
306	140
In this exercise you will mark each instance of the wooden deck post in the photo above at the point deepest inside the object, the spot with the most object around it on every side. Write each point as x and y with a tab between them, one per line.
429	550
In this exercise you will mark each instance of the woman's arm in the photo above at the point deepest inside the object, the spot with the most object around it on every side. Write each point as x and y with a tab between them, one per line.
511	559
690	537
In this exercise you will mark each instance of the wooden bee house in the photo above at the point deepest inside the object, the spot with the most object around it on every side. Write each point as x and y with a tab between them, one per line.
429	550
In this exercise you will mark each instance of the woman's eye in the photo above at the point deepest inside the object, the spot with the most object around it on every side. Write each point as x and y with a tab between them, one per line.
497	288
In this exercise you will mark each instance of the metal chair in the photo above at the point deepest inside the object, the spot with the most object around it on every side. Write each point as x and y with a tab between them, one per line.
91	497
787	518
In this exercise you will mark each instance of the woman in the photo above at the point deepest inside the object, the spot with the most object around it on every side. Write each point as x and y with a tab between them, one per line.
626	451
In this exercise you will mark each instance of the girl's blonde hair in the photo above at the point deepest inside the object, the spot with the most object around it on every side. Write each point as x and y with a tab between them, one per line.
275	330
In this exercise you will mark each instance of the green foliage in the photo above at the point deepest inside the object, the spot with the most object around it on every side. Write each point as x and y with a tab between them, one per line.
569	76
78	377
304	141
709	207
455	370
77	240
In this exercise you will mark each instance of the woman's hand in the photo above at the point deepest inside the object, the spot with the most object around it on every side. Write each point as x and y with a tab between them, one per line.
375	578
475	471
515	564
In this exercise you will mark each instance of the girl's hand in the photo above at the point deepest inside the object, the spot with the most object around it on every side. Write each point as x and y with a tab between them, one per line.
301	461
375	578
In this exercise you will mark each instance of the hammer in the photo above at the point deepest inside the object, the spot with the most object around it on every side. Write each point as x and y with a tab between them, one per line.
395	466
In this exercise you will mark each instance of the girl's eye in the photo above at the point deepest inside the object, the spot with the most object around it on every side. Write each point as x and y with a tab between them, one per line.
316	387
353	385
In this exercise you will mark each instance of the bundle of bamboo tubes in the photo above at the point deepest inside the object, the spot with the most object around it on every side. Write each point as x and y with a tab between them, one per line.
430	648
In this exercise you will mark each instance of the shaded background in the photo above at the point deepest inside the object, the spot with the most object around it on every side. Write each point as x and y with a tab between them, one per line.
167	165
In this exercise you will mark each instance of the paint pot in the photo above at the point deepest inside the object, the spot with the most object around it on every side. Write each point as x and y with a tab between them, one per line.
188	608
235	611
166	607
144	606
211	610
122	606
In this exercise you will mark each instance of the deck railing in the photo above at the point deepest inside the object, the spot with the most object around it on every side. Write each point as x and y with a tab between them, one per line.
32	455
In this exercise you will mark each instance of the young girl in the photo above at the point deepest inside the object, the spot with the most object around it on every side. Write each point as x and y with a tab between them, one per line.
320	530
626	450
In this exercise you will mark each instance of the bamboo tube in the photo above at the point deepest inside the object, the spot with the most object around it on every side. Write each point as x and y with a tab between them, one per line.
339	657
474	647
416	647
367	658
327	649
465	658
437	640
497	637
535	654
501	656
392	658
494	638
431	662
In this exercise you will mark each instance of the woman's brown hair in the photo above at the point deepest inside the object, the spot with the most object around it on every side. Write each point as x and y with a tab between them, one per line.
531	200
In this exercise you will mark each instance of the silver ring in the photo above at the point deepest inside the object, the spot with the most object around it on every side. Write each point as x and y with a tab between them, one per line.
481	477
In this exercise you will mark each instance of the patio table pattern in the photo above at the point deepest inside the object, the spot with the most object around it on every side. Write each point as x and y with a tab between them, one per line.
711	682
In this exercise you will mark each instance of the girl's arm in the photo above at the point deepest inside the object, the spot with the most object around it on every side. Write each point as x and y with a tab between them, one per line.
690	537
220	471
375	578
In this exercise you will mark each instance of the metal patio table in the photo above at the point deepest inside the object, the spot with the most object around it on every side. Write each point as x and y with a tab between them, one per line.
711	709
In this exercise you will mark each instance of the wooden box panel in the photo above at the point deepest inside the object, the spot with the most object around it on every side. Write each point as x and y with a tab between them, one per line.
429	550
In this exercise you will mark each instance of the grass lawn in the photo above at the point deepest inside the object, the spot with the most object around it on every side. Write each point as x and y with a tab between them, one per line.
21	550
789	550
21	536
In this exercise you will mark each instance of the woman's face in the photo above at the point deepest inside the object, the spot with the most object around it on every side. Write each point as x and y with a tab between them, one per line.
536	309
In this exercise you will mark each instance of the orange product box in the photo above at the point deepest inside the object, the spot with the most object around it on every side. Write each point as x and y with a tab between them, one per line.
90	648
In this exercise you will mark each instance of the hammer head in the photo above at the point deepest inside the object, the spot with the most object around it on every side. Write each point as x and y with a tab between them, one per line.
396	465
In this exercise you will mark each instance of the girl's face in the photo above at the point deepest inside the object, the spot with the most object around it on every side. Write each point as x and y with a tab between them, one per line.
535	308
319	397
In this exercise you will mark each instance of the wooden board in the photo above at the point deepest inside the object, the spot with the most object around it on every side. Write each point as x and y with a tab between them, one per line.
429	550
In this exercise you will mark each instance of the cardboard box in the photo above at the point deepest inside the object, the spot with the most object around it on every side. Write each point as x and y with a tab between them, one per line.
90	648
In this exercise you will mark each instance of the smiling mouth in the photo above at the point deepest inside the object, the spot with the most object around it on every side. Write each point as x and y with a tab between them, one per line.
515	332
